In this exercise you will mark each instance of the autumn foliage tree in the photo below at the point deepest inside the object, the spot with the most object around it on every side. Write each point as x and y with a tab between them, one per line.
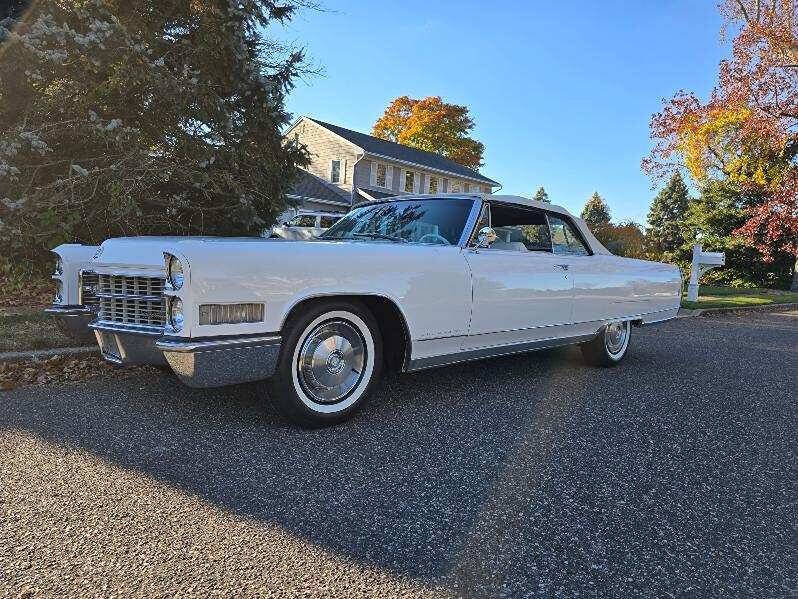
746	133
432	125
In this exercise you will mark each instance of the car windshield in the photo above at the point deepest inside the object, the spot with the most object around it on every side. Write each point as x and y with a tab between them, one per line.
405	221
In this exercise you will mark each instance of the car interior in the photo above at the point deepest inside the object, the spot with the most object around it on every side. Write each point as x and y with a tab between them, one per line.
522	230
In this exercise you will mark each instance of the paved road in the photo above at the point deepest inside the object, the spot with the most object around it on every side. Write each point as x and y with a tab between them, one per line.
671	475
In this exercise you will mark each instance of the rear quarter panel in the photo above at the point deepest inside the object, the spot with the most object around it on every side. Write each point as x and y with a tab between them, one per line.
613	287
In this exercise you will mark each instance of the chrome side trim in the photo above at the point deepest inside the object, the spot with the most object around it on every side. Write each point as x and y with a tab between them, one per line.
68	310
115	327
200	345
493	352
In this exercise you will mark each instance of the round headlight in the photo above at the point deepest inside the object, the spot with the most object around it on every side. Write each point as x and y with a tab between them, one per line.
176	313
59	292
175	273
59	266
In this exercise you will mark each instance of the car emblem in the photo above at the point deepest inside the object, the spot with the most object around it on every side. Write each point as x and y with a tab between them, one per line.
98	254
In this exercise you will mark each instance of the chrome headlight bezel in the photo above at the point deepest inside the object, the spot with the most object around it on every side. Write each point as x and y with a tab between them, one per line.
177	317
174	272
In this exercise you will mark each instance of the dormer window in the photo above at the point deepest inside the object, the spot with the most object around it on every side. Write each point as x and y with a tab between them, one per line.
335	171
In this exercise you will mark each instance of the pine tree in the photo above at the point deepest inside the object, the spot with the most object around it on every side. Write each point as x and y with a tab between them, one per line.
596	213
711	219
666	215
122	117
542	196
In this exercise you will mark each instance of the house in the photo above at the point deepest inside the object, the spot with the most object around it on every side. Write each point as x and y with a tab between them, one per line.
348	167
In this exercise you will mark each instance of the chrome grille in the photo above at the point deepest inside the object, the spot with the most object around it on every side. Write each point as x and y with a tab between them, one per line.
132	300
89	286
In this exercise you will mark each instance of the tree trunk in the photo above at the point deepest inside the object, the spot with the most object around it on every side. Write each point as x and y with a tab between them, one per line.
794	286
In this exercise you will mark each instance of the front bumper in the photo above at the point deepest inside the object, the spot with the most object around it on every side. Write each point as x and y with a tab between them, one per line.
207	362
73	321
128	345
221	360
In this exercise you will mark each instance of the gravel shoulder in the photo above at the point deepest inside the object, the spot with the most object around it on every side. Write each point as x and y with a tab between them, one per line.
670	475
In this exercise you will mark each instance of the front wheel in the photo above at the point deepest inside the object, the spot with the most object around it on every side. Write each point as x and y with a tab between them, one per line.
610	345
330	360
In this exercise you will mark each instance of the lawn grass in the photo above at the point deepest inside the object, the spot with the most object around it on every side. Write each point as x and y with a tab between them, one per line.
731	297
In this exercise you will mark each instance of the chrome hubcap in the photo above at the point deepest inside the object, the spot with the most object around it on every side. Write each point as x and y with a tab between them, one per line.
331	361
615	336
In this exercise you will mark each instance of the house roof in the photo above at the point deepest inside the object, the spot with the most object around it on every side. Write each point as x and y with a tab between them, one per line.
308	185
389	149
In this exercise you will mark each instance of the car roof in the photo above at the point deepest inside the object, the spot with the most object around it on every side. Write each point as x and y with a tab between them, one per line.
488	197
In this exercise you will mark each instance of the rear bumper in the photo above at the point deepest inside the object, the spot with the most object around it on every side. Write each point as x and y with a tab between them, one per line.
221	360
208	362
73	321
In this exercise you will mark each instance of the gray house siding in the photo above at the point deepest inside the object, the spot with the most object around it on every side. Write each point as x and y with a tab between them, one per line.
362	176
324	147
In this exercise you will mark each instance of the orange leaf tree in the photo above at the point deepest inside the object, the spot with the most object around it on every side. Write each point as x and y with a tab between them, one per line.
431	125
746	133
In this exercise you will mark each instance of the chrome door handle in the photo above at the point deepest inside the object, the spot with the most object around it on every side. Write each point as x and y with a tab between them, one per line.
563	266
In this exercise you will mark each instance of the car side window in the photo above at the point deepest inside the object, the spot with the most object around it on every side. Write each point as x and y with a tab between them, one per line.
564	239
520	229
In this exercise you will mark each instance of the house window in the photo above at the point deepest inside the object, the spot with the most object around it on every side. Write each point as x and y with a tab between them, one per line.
335	171
410	180
455	187
485	189
433	184
382	175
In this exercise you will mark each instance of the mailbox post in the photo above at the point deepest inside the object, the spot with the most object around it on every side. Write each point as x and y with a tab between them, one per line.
702	262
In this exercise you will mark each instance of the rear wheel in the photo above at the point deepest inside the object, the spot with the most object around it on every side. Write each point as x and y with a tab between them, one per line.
610	345
330	360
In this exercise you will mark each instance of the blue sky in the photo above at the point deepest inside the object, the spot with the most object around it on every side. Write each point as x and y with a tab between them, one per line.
561	92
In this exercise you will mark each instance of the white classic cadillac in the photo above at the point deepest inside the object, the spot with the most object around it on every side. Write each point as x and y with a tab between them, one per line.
409	282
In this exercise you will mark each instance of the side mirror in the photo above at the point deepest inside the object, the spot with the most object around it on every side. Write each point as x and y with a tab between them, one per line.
486	236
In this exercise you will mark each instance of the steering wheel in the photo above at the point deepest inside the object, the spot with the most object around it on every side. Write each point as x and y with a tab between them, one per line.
434	238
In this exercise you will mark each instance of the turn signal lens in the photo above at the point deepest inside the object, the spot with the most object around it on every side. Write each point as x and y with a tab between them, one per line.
230	313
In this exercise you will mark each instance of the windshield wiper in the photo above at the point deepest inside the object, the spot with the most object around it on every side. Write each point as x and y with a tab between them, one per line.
380	236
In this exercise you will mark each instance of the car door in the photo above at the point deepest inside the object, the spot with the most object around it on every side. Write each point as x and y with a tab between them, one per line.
518	295
601	290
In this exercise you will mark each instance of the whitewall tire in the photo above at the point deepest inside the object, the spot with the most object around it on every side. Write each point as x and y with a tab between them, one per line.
610	345
330	360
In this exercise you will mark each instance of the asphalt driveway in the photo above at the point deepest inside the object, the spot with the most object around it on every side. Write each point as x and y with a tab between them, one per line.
674	474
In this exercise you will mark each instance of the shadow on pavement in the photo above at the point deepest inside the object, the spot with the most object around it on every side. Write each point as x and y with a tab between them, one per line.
513	470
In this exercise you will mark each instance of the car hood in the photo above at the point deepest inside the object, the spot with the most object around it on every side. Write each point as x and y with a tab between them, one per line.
144	252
